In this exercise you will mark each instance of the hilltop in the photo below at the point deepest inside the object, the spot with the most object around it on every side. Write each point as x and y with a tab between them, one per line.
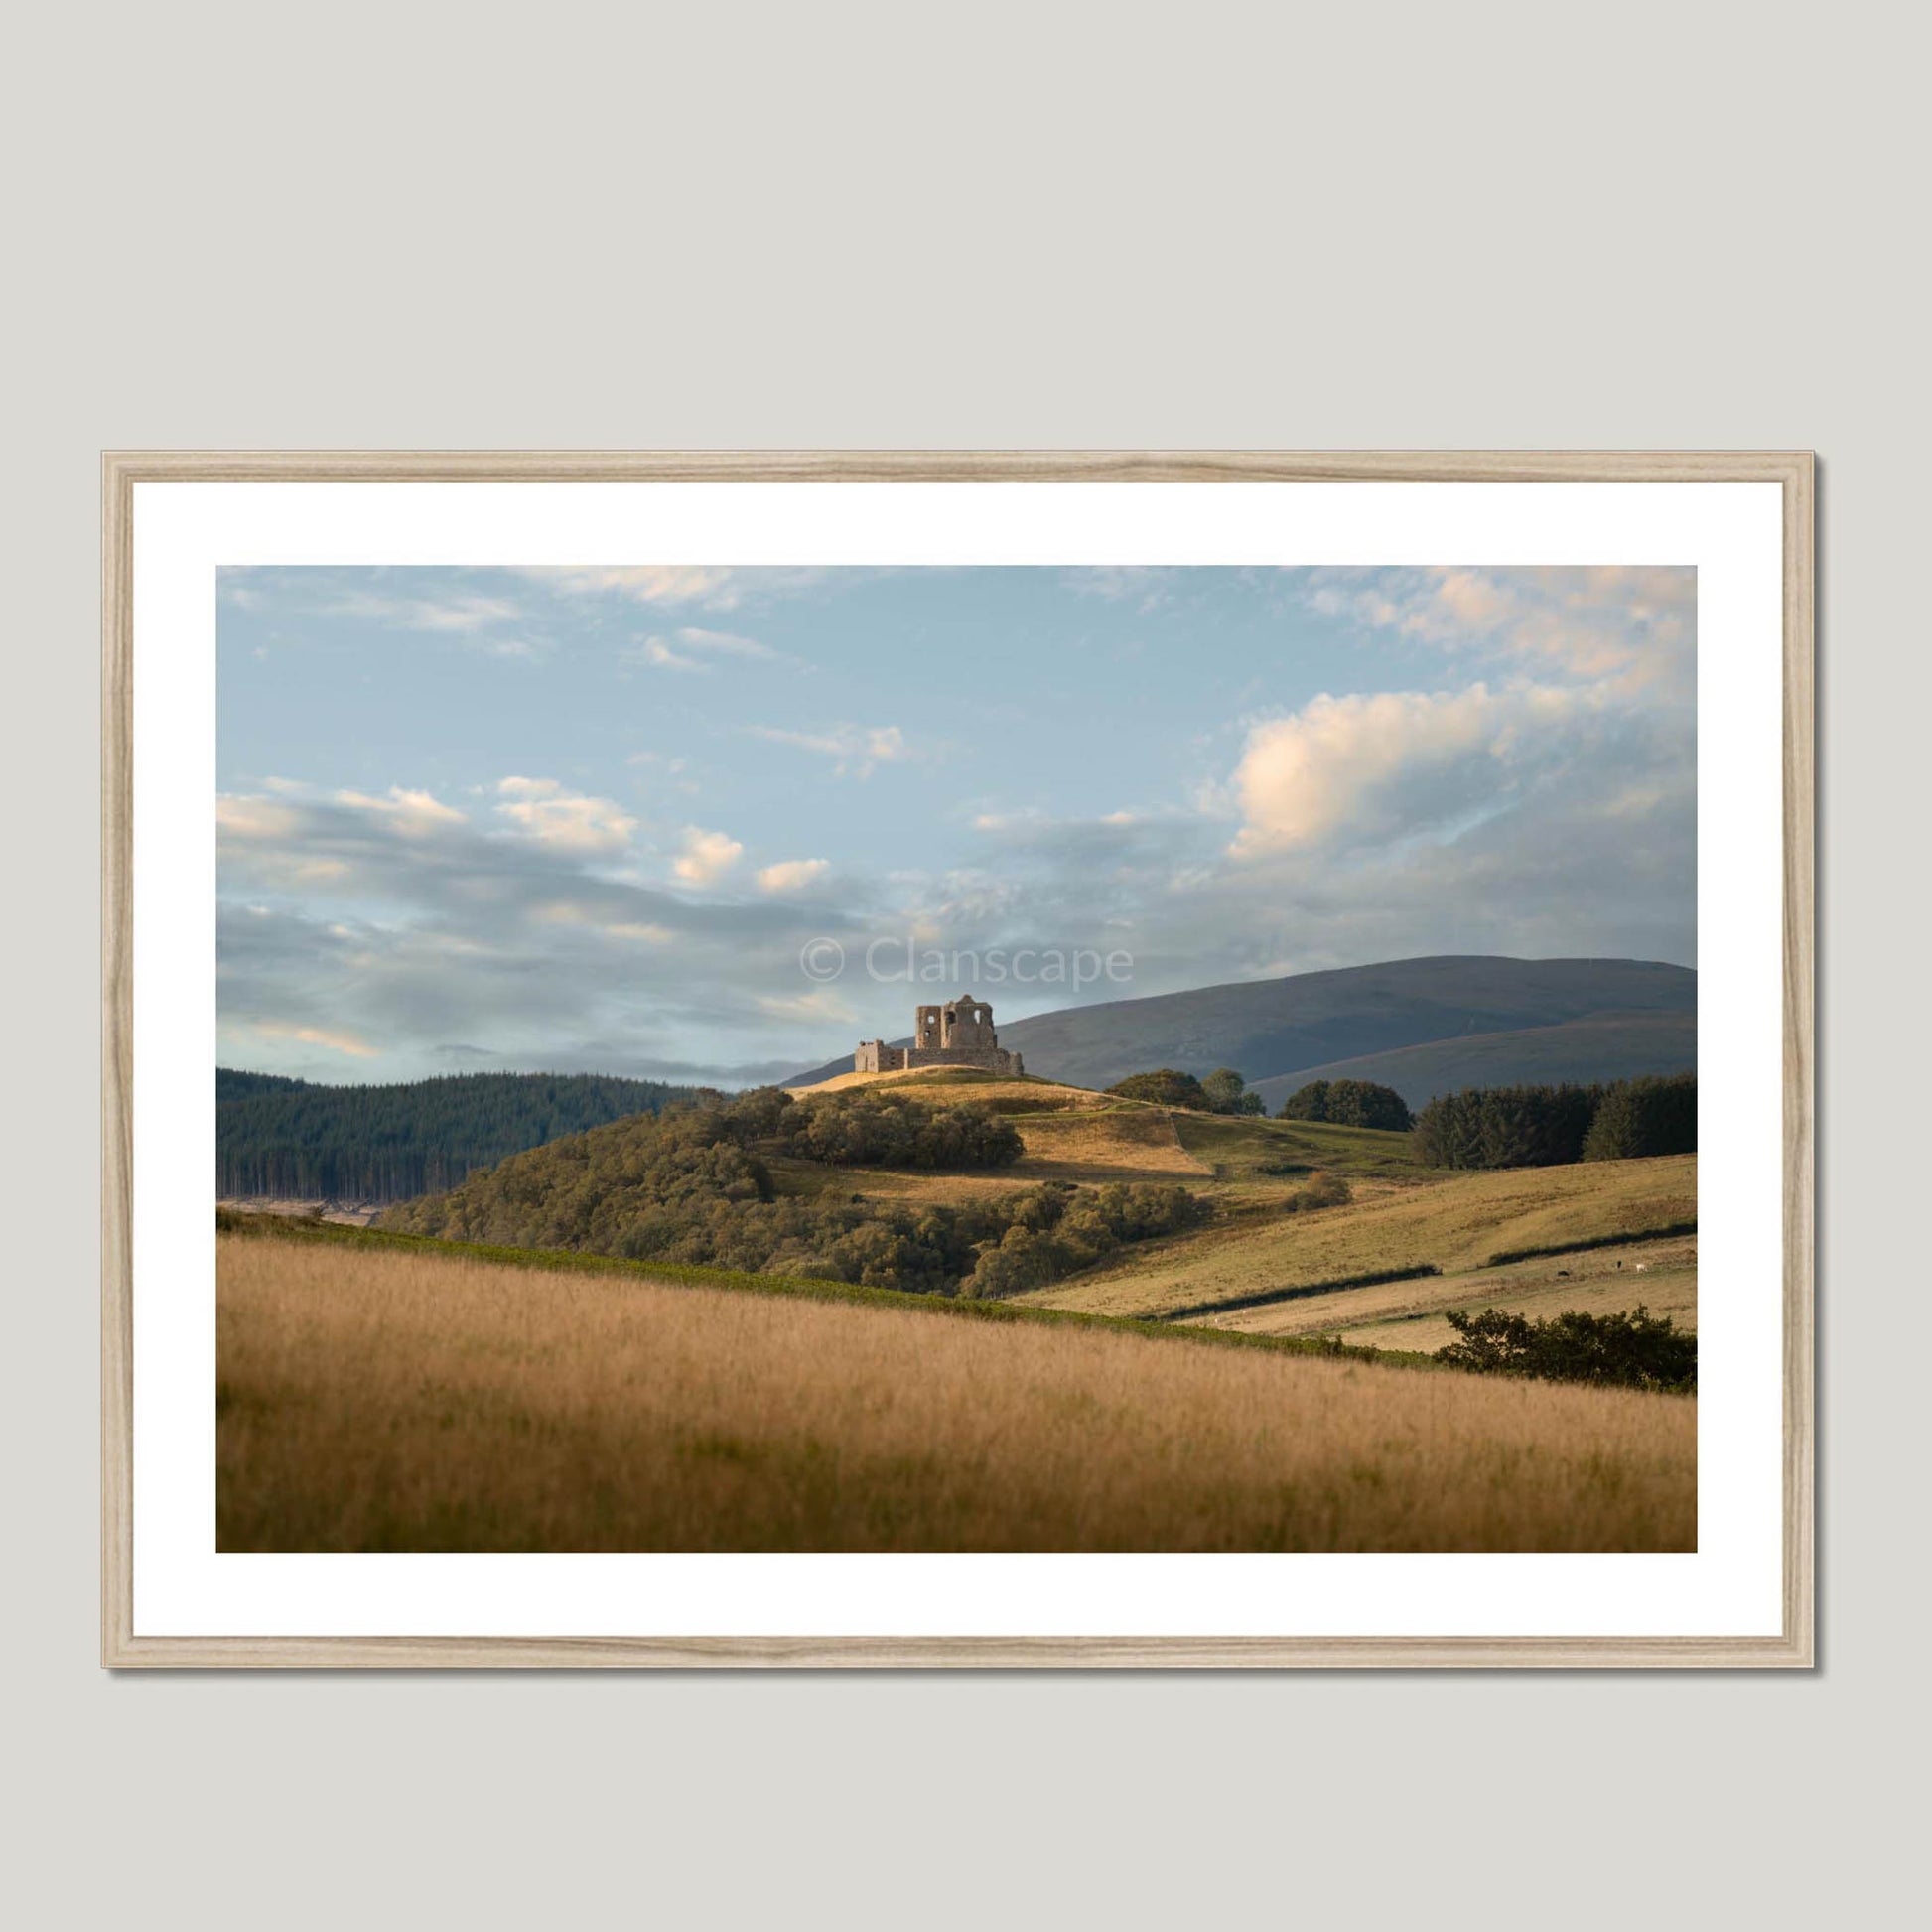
1508	1020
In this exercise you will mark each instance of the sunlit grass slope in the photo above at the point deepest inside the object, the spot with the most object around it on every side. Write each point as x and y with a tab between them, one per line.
385	1398
1409	1316
1454	1224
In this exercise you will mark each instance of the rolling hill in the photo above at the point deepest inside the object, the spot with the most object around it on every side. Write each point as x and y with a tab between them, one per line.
1507	1020
1450	1228
974	1187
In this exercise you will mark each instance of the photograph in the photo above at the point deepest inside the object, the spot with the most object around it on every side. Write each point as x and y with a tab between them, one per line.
949	963
956	1058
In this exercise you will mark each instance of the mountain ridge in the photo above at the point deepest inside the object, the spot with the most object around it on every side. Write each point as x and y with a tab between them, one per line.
1302	1024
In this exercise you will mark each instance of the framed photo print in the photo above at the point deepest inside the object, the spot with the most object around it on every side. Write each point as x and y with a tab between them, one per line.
958	1059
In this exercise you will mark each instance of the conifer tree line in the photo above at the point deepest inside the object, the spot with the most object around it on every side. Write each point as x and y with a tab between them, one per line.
301	1141
1543	1127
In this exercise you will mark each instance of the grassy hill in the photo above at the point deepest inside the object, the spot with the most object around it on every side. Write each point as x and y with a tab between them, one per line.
1452	1225
1311	1021
377	1395
297	1138
892	1184
1065	1199
1409	1316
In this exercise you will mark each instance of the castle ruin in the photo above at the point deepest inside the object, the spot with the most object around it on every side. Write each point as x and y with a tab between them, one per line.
958	1034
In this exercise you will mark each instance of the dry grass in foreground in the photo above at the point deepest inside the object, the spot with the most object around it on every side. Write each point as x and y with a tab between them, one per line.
373	1400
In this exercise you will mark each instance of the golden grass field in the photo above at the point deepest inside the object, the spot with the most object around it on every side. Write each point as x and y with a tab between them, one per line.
383	1399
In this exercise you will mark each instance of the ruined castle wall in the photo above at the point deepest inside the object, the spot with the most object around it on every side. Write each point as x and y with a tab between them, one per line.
959	1033
992	1059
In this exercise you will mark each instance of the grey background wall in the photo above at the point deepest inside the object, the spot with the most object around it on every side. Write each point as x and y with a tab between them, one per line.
1108	226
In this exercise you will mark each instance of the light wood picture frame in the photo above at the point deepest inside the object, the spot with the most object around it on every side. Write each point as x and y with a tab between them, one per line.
126	1647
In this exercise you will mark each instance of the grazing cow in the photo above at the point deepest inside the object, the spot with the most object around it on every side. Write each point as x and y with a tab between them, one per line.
1640	1267
1563	1274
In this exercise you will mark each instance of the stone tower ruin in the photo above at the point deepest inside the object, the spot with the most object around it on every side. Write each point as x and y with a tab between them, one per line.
957	1033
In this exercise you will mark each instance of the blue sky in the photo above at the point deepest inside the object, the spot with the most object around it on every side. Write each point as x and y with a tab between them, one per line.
588	820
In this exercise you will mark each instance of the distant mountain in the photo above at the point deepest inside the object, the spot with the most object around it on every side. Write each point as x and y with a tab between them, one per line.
1604	1046
1297	1027
301	1141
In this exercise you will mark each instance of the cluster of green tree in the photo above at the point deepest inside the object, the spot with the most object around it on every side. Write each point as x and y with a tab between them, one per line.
1223	1091
694	1186
1543	1127
1064	1229
883	1127
293	1137
1628	1349
1349	1103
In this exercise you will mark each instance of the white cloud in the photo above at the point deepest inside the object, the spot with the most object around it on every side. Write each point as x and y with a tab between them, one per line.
415	814
858	748
335	1042
578	913
243	817
792	875
655	650
706	857
646	583
1634	624
694	648
464	613
1364	770
710	587
572	820
1029	821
